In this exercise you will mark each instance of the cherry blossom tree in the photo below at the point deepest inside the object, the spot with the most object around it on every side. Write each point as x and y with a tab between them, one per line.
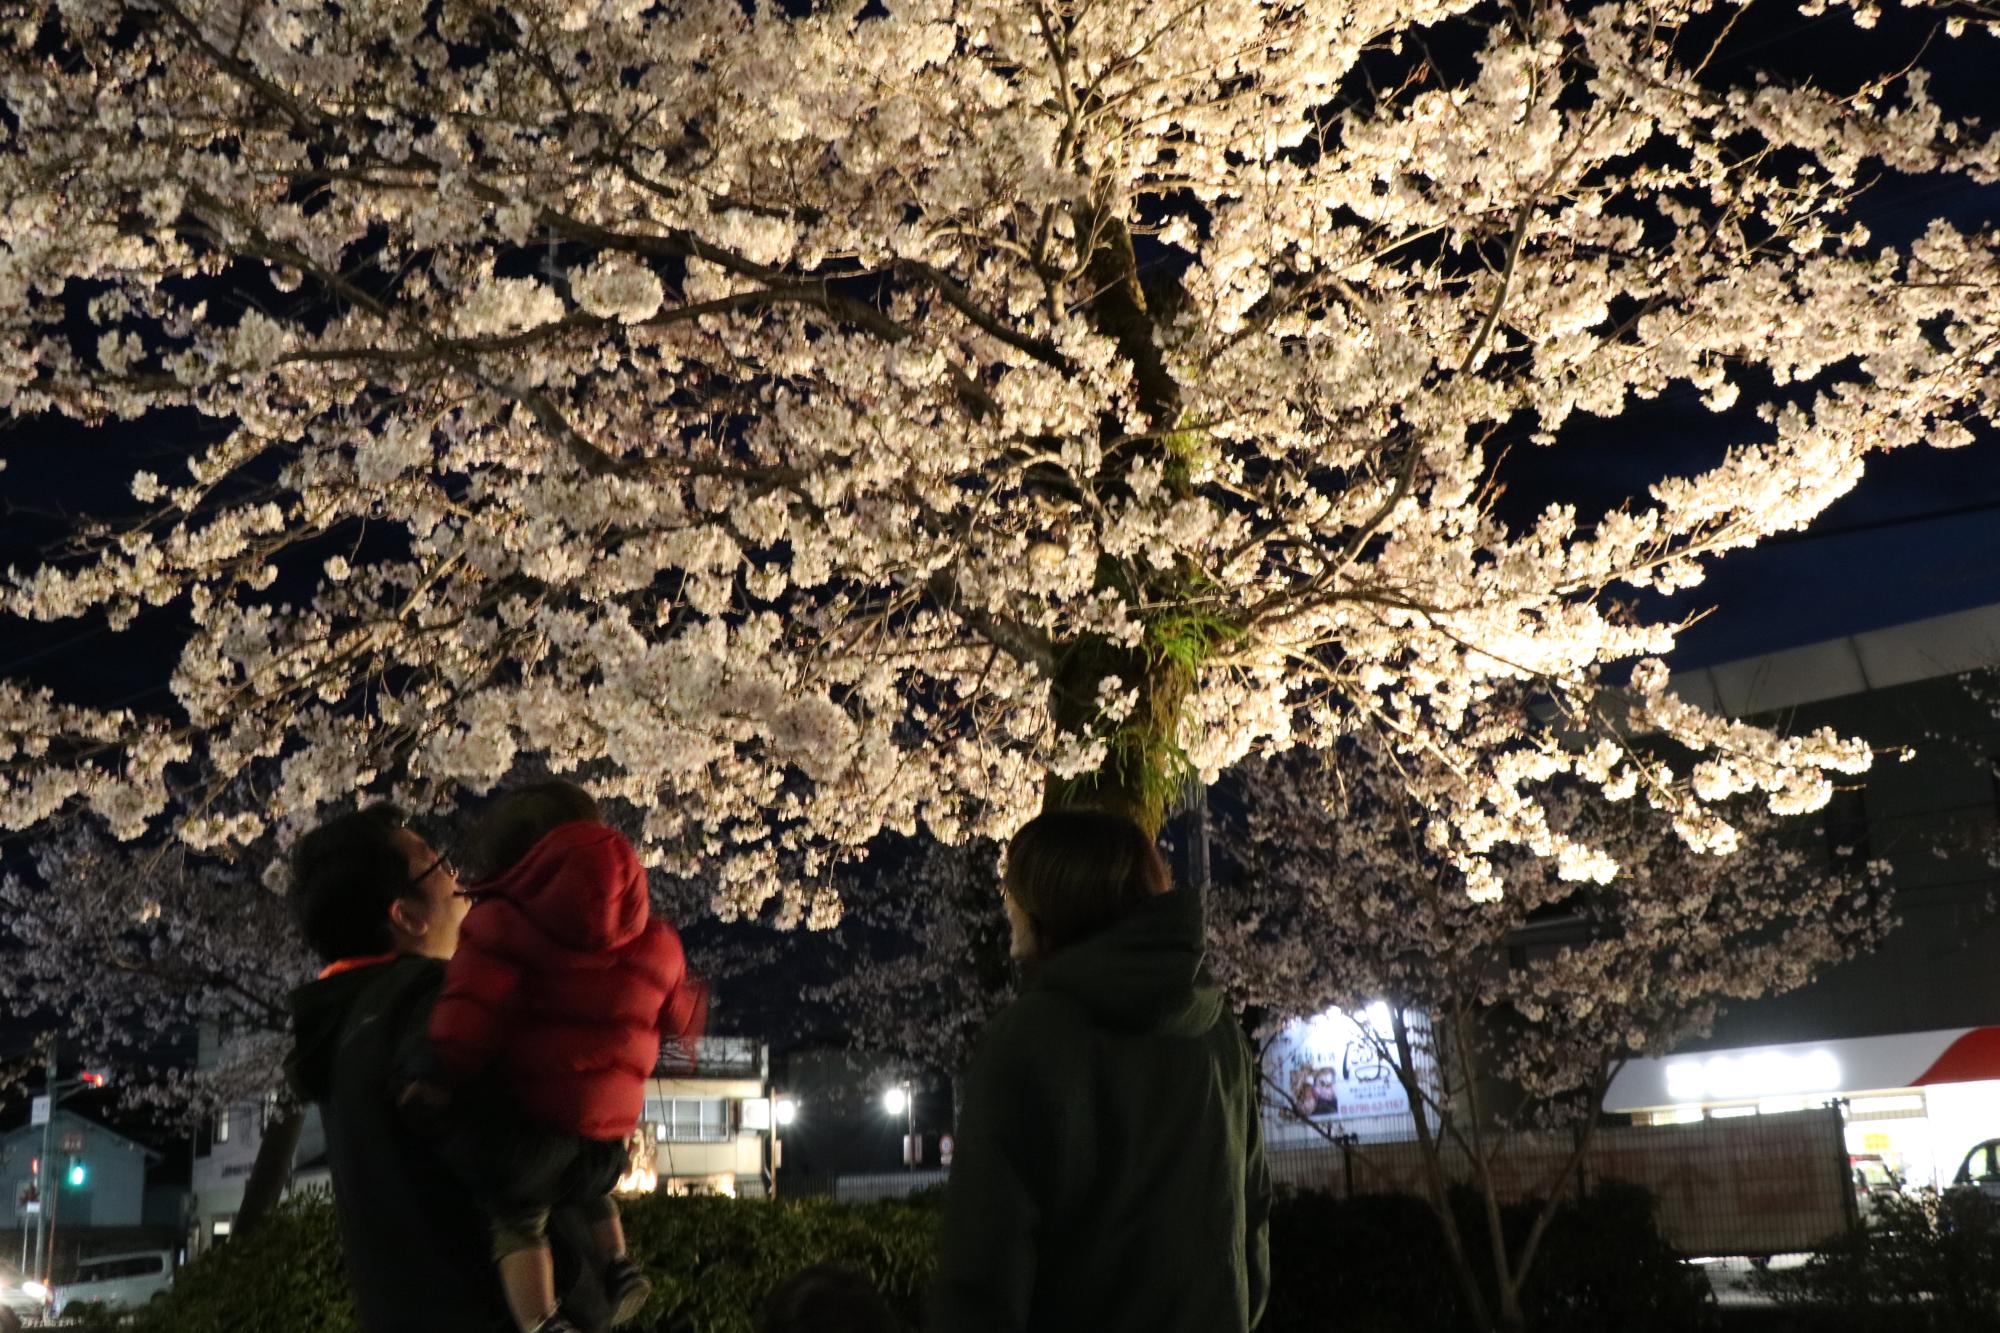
922	958
811	425
136	949
139	954
1341	900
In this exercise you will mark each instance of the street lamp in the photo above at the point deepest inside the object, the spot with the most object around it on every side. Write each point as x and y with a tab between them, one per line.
900	1100
784	1110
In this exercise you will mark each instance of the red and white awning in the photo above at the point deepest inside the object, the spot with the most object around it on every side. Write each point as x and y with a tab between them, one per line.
1810	1068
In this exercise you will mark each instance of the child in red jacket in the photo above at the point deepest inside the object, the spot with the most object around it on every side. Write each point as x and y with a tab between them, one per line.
565	981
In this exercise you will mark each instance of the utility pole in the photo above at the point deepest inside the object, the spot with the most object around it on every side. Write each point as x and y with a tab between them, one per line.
44	1241
1194	840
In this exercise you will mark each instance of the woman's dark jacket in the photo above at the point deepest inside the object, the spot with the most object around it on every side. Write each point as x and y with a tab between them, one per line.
1110	1171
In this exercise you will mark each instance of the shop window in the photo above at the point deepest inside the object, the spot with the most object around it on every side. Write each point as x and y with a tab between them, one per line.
696	1120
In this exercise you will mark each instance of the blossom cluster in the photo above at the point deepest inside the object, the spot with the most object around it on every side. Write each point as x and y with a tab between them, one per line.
759	414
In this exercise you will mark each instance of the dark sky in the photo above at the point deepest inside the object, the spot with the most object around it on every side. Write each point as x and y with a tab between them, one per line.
1919	537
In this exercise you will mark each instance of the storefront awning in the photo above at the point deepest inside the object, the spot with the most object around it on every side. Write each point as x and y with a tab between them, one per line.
1831	1068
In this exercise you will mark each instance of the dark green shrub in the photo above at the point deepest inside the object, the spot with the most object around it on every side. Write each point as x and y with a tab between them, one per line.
1382	1263
1603	1264
1373	1264
1364	1265
714	1261
1925	1262
285	1278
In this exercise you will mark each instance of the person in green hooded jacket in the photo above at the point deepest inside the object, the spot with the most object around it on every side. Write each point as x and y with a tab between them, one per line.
1110	1169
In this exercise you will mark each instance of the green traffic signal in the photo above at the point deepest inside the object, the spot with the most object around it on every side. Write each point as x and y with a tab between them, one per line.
78	1173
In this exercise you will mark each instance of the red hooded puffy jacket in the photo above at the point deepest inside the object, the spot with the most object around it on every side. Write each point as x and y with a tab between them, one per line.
562	974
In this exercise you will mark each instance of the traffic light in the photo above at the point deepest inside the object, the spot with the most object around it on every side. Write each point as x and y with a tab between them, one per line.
91	1080
79	1173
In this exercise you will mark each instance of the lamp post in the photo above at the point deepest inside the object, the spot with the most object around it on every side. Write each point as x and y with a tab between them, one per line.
901	1100
784	1110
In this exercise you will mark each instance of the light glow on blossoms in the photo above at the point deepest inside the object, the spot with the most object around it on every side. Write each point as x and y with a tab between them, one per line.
794	425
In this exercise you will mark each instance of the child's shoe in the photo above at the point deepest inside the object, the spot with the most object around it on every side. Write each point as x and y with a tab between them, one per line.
626	1288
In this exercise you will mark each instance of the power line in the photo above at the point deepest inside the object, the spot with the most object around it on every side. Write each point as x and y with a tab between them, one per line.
1878	524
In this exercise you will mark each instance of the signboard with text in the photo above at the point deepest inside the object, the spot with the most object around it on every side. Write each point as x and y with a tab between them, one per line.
1338	1067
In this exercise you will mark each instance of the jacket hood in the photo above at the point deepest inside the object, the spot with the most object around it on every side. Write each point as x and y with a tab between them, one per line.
319	1008
582	885
1143	972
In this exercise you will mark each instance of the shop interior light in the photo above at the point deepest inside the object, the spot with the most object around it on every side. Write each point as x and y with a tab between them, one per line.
1730	1112
1893	1105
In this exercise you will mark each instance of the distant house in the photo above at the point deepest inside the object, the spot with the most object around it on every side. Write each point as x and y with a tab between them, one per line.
99	1174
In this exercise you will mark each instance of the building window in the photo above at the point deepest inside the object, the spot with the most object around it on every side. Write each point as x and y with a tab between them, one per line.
696	1120
222	1125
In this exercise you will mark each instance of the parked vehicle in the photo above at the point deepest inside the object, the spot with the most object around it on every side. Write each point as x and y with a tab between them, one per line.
1873	1178
1981	1170
21	1301
116	1281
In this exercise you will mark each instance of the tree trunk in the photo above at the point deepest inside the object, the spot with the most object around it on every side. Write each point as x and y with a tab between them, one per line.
1142	772
1431	1149
271	1172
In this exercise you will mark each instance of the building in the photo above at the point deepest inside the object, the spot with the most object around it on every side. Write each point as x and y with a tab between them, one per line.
707	1124
1907	1038
100	1175
225	1150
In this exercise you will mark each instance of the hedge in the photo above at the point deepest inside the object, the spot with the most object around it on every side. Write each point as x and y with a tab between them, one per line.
1357	1265
1926	1263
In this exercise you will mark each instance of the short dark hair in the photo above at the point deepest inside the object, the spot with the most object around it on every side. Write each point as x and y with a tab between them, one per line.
345	875
1074	872
827	1298
517	819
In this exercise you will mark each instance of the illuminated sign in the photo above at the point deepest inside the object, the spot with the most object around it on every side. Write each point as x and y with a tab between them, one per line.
1339	1066
1751	1074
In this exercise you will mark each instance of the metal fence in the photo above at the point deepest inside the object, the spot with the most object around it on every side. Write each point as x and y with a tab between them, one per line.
1757	1185
712	1057
869	1188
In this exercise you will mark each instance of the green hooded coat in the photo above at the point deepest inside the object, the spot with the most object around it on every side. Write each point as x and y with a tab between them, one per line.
1110	1170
